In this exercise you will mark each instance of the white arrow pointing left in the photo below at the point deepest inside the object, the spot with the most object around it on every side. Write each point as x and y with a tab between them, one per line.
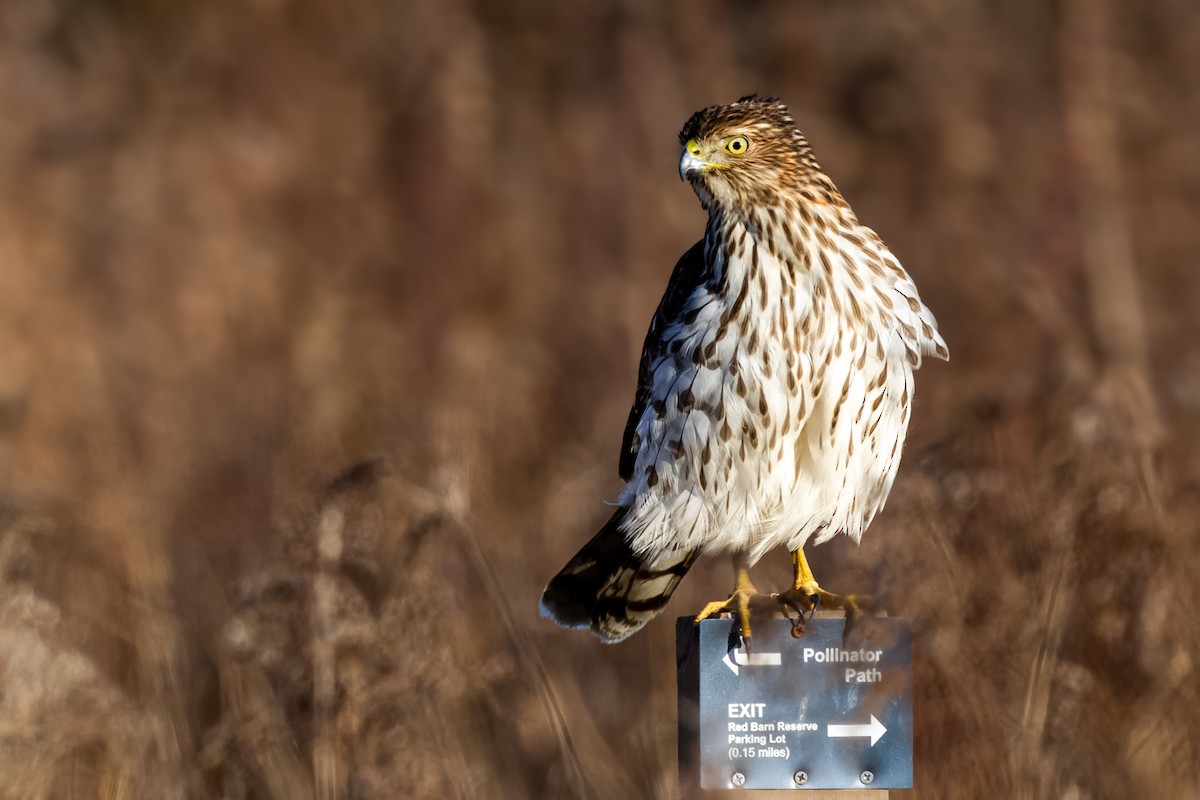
740	658
875	730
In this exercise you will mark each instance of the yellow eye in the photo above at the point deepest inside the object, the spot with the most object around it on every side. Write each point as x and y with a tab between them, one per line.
737	146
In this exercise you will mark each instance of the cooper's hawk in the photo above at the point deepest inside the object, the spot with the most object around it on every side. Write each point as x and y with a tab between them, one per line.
775	384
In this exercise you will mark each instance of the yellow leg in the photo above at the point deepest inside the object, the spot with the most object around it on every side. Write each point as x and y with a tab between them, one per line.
739	602
803	580
806	593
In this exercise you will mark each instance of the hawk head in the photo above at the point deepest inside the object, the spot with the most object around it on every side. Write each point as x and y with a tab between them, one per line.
745	153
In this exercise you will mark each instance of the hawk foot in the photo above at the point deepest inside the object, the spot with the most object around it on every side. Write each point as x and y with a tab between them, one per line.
806	596
852	604
742	603
810	596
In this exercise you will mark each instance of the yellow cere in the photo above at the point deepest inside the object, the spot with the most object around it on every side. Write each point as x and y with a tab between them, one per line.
693	147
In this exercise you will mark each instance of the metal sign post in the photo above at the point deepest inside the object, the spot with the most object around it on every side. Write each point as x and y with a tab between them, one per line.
813	712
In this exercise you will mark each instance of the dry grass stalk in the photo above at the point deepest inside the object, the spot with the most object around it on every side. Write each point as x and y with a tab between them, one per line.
244	246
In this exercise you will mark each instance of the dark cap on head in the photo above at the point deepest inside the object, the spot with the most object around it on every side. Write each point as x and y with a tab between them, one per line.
750	109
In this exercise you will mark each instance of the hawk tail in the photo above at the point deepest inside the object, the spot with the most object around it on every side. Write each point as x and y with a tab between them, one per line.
611	589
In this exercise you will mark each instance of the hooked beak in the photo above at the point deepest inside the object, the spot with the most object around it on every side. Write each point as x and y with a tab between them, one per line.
688	163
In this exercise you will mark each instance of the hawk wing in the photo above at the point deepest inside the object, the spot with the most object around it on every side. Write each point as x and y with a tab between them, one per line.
690	273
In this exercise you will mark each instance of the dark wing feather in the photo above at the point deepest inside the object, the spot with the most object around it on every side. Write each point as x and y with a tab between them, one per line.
690	272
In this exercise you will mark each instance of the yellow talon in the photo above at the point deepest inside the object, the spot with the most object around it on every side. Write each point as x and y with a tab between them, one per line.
806	594
803	580
739	602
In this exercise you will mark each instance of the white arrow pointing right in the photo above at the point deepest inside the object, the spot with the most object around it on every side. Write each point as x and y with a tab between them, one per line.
875	730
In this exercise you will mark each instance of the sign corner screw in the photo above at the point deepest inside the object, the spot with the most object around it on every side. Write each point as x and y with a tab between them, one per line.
866	776
801	778
738	779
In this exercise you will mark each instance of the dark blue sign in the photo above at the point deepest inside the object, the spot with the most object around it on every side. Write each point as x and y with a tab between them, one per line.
807	712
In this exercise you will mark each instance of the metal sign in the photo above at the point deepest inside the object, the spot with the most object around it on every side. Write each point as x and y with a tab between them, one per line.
813	712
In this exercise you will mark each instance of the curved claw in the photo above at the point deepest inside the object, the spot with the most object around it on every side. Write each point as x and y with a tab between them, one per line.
805	601
741	603
743	596
799	600
852	604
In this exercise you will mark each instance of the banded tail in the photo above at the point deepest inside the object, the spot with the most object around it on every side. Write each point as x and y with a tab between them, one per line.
609	588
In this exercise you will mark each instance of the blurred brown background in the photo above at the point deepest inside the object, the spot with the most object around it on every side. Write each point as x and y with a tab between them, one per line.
247	246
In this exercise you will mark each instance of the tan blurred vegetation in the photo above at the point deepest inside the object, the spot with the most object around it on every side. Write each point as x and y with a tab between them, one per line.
247	246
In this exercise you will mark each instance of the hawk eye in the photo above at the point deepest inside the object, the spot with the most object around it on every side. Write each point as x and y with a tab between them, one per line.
737	145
